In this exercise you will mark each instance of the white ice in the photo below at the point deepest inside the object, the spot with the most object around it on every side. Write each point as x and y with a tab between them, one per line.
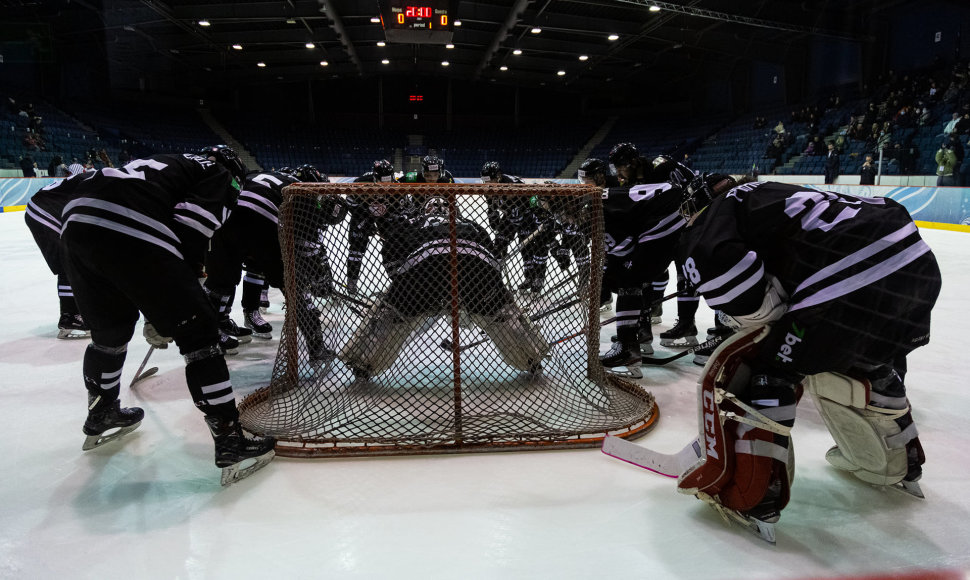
153	508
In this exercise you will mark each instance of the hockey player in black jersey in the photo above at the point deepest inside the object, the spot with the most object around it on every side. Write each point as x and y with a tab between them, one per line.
417	255
361	226
830	293
432	171
134	239
642	222
504	214
597	172
43	217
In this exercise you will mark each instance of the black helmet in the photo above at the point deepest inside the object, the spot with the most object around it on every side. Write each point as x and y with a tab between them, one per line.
436	206
491	170
309	174
432	163
383	170
593	167
623	154
225	156
700	191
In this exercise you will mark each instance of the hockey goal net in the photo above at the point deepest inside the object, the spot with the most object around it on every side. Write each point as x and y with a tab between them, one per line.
473	324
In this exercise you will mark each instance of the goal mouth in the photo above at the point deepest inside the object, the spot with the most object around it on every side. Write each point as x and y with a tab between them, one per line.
467	324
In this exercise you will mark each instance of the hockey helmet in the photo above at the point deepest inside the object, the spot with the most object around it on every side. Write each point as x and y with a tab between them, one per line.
383	170
623	154
225	156
491	171
310	174
431	163
436	206
700	191
591	168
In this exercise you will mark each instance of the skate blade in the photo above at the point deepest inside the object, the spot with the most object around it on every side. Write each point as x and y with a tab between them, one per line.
762	529
244	339
679	342
94	441
245	468
632	372
263	335
655	320
67	333
910	488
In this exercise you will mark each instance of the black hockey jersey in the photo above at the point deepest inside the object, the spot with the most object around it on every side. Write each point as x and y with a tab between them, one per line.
45	206
411	239
175	202
820	246
639	215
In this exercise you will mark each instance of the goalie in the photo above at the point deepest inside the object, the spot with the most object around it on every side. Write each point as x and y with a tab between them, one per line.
417	253
830	292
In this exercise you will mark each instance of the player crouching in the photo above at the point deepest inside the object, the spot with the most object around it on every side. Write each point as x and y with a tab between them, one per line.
830	293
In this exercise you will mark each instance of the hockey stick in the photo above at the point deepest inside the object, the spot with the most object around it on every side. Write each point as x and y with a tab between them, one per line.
666	464
139	375
647	360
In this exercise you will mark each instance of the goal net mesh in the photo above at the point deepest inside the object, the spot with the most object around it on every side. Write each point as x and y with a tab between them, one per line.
441	317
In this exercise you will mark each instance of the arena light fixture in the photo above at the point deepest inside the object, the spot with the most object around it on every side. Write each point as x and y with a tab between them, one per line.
290	21
654	8
583	57
445	63
561	73
381	43
517	51
457	22
613	37
503	68
385	61
324	63
205	23
237	47
449	46
536	30
375	19
310	45
261	64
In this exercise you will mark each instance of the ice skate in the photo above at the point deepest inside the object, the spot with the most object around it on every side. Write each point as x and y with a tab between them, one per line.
656	314
72	326
719	330
623	360
702	354
606	305
644	337
683	334
255	321
228	344
909	484
228	326
238	456
100	423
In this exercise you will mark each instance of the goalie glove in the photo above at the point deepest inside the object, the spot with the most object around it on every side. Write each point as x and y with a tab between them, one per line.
773	307
154	338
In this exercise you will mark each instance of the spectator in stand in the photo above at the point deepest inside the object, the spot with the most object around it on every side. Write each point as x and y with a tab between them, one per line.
963	125
858	132
924	117
951	126
840	144
867	173
57	168
687	162
908	154
28	166
832	165
946	161
954	144
75	167
780	128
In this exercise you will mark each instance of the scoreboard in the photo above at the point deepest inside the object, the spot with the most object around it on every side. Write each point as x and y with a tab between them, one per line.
418	21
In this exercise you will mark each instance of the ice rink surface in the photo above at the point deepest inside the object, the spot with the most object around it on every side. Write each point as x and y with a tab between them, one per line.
153	507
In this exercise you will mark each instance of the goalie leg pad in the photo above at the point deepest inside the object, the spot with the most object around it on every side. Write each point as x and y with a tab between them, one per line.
746	457
518	343
377	341
870	441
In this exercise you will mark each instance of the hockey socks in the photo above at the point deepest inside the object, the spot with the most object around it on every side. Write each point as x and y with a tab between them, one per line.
102	378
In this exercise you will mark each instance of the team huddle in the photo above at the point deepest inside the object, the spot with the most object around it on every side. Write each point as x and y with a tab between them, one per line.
812	290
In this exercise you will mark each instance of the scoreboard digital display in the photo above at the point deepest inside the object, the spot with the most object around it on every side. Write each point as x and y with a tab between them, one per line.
418	21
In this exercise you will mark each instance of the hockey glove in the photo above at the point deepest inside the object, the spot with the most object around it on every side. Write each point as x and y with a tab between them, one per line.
154	338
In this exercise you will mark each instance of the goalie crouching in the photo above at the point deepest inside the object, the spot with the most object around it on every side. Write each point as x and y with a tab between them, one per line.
416	253
830	293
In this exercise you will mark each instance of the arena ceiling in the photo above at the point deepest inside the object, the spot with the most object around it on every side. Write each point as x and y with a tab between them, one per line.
676	41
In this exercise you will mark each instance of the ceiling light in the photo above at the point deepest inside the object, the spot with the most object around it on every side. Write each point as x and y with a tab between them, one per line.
290	21
204	23
385	61
503	68
613	37
261	64
237	47
324	63
561	73
517	51
381	43
376	19
310	45
445	63
655	8
536	30
457	22
583	57
449	45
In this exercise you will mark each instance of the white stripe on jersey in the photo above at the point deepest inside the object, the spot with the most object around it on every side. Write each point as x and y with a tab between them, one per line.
258	209
743	265
443	247
195	224
864	278
858	256
120	210
43	218
664	228
108	224
738	289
